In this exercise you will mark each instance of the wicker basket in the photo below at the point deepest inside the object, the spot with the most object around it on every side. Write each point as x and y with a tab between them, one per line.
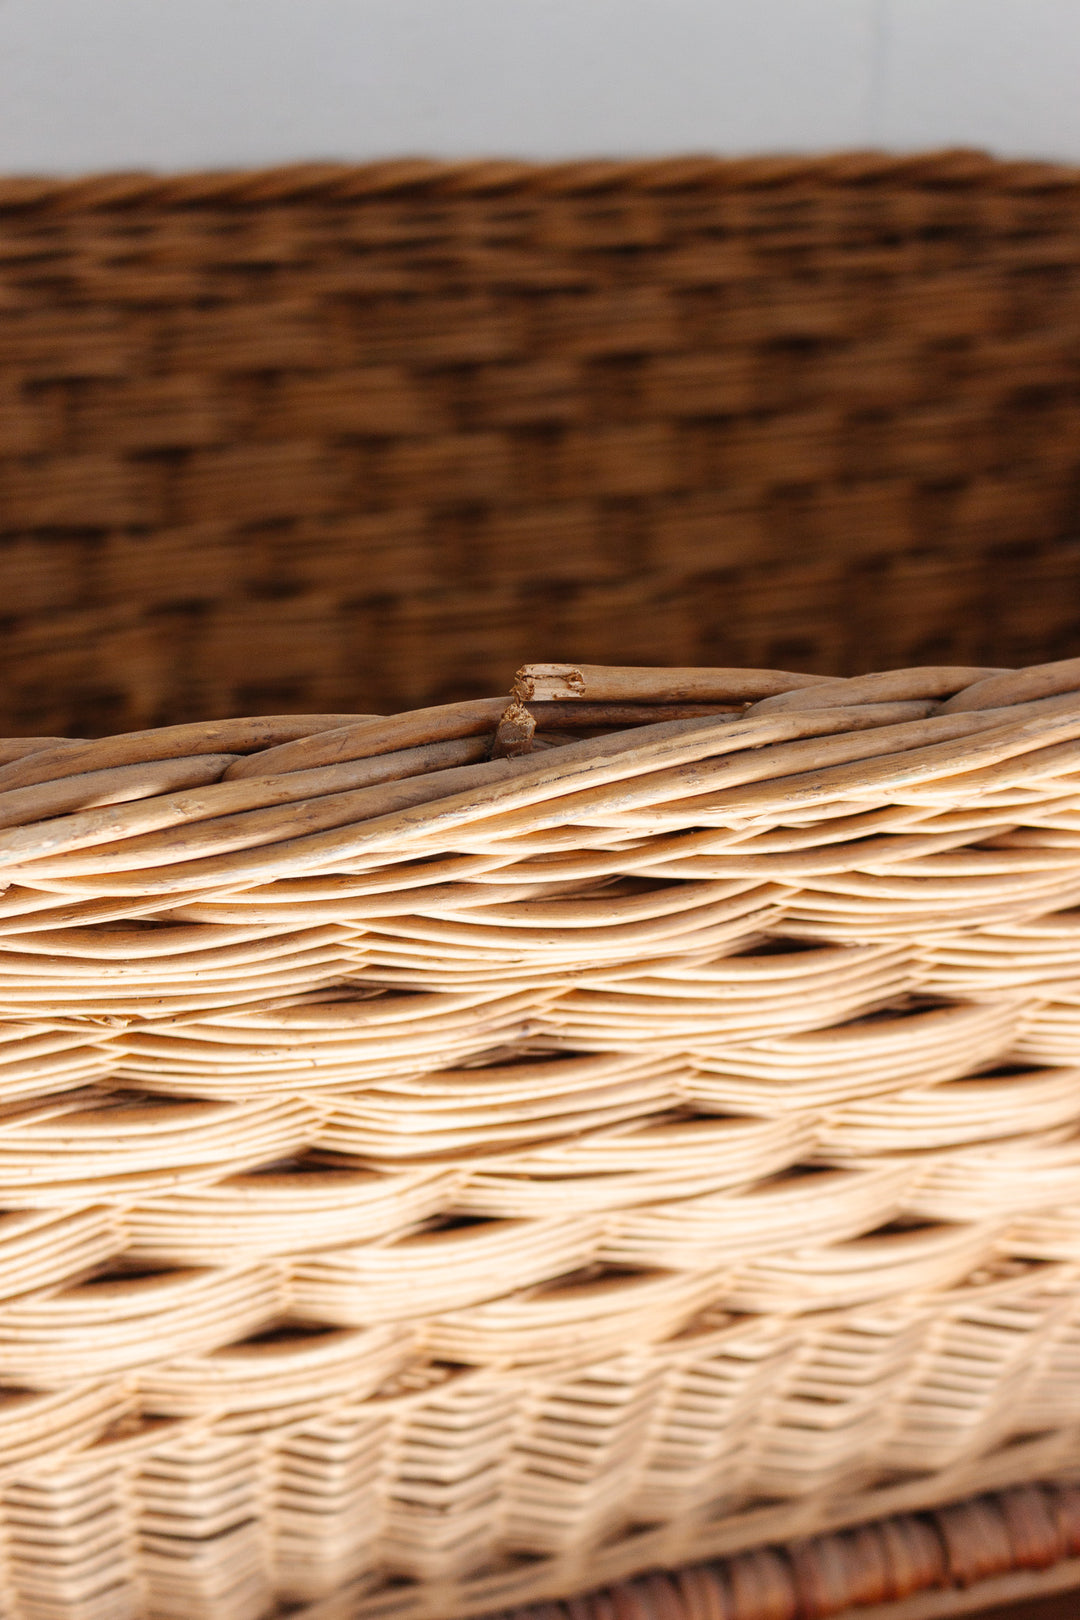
339	439
462	1159
515	1143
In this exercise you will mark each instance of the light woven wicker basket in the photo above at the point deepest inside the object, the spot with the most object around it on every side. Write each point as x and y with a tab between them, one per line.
463	1156
439	1146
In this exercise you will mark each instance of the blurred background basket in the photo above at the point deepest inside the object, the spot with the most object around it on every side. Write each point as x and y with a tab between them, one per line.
325	439
322	442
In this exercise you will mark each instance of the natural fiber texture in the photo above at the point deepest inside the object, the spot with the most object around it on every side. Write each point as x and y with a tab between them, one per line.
485	1152
988	1550
350	439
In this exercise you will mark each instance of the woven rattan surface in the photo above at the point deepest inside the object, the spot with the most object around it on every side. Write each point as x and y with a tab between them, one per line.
346	439
465	1157
958	1560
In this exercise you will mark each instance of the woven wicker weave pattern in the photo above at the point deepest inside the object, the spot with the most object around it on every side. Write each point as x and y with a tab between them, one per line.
338	439
903	1568
477	1134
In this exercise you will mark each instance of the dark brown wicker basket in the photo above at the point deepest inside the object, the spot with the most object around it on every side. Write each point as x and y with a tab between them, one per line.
330	439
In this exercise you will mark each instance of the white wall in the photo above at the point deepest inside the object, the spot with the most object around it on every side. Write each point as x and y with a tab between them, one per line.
171	84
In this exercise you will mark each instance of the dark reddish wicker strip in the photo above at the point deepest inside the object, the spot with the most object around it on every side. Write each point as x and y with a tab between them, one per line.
1030	1527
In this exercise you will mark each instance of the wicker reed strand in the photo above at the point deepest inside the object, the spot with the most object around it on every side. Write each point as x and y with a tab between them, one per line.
463	1158
339	439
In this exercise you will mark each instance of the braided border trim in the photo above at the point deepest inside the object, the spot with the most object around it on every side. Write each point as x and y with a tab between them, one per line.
958	169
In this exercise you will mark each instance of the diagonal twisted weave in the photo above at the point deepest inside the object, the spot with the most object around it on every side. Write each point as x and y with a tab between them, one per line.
907	1567
460	1157
332	438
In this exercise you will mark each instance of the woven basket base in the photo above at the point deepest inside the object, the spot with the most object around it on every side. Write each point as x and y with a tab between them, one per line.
1020	1586
998	1593
960	1557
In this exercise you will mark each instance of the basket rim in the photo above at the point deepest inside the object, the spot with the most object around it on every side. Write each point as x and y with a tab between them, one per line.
953	168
